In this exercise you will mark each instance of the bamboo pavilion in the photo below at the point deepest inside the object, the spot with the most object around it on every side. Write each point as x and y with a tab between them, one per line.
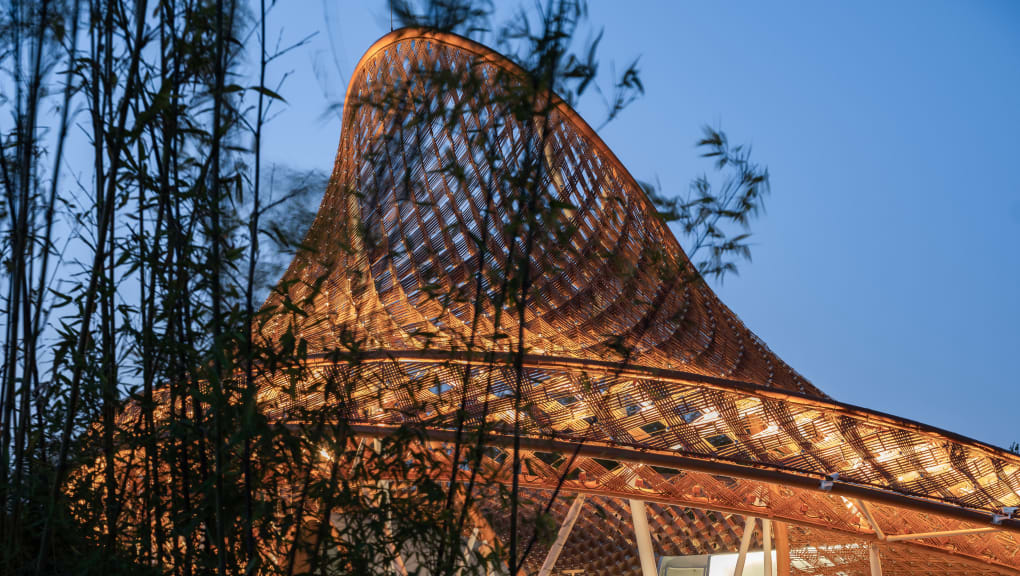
678	441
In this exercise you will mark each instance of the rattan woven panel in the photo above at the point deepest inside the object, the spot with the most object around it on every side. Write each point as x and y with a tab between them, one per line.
819	552
602	541
679	414
398	245
623	479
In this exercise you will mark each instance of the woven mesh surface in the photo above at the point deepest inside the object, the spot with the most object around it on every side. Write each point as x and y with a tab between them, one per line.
602	541
622	356
819	552
410	233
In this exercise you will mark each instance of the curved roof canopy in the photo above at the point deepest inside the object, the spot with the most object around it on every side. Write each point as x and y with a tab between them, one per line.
627	352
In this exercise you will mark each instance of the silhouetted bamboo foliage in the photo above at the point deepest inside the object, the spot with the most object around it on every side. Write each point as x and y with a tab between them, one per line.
152	416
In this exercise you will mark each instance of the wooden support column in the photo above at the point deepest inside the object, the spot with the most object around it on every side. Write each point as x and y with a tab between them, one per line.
876	561
304	546
644	540
384	486
745	543
561	538
766	542
782	549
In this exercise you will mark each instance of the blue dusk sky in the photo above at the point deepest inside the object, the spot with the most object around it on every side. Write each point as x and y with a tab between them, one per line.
887	266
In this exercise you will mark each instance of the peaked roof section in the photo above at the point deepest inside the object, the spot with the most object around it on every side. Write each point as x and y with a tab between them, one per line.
618	282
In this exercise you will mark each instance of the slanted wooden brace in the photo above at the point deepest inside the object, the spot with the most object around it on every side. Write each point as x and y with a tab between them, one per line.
685	424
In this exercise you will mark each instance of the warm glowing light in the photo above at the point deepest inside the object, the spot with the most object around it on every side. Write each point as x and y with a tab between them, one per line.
768	431
887	455
909	476
706	418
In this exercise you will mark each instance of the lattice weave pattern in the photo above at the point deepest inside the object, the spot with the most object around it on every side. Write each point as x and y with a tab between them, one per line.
417	239
405	279
418	243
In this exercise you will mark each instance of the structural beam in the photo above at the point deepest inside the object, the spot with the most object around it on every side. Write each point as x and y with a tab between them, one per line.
766	542
782	549
561	538
866	511
876	561
644	539
745	543
697	463
922	535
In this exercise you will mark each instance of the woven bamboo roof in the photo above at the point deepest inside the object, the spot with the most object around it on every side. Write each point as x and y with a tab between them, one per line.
674	400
